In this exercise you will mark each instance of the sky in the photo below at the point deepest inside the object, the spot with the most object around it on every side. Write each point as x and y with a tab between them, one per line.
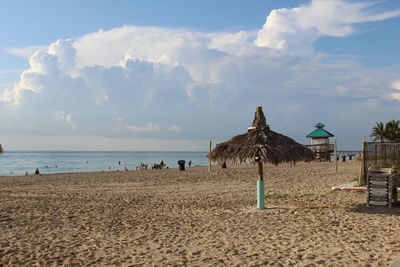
171	75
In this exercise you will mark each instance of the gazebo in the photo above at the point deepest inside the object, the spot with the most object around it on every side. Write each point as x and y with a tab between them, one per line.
320	144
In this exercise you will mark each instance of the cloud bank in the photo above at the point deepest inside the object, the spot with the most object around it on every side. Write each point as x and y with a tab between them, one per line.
295	30
154	82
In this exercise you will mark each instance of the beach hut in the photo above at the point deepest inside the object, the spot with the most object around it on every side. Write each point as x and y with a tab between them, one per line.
320	144
260	145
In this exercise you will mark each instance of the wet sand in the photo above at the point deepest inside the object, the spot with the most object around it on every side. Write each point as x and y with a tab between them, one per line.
194	218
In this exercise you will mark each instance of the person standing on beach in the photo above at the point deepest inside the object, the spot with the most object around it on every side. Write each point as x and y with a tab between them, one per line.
37	171
190	163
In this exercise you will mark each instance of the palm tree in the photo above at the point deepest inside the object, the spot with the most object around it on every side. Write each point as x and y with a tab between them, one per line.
379	132
392	130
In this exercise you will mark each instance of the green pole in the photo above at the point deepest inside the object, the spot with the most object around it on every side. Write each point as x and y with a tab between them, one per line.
260	188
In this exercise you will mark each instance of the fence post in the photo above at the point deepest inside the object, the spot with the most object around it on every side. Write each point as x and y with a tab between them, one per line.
384	153
209	162
335	152
361	179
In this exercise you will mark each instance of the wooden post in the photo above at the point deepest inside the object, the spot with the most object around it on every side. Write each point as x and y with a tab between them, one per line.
361	179
209	162
335	152
260	187
327	154
260	171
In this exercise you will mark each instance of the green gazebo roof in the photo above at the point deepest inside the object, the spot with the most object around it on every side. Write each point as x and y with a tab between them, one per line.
319	132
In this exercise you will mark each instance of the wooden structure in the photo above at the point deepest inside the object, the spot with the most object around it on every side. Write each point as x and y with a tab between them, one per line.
382	187
320	144
381	154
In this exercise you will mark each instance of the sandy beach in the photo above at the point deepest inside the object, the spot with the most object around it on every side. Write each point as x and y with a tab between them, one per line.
194	218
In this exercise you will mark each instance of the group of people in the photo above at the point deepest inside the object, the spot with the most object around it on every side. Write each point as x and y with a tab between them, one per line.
142	166
319	157
350	156
156	166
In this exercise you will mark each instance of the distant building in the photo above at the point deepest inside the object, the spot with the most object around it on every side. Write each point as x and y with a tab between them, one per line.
320	143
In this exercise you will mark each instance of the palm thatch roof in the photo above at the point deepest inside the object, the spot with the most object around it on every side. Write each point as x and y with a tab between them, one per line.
260	144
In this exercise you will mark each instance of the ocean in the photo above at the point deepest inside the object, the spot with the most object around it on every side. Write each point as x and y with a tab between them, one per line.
20	162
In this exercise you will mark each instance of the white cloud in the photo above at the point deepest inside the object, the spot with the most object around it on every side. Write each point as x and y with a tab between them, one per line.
395	96
65	53
174	129
148	127
65	117
11	96
395	84
295	30
27	52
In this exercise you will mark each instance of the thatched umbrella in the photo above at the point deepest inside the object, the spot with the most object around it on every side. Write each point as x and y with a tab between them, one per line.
260	145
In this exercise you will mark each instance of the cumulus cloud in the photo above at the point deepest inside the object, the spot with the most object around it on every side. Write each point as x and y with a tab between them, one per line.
295	30
144	81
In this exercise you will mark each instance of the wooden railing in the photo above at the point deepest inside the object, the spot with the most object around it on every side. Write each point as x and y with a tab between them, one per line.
321	148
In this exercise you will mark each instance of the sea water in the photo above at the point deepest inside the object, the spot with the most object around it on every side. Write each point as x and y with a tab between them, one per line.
20	162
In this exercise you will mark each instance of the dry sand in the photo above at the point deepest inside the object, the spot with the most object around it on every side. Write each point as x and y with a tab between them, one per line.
194	218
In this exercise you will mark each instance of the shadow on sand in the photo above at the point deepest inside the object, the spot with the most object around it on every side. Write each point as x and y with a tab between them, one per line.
363	208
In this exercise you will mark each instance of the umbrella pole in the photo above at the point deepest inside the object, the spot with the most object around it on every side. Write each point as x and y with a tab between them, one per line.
260	187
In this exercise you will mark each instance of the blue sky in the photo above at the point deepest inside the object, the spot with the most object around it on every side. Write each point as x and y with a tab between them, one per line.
170	75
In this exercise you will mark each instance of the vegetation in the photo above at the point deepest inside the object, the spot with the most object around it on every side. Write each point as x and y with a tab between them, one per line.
388	165
389	132
358	157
